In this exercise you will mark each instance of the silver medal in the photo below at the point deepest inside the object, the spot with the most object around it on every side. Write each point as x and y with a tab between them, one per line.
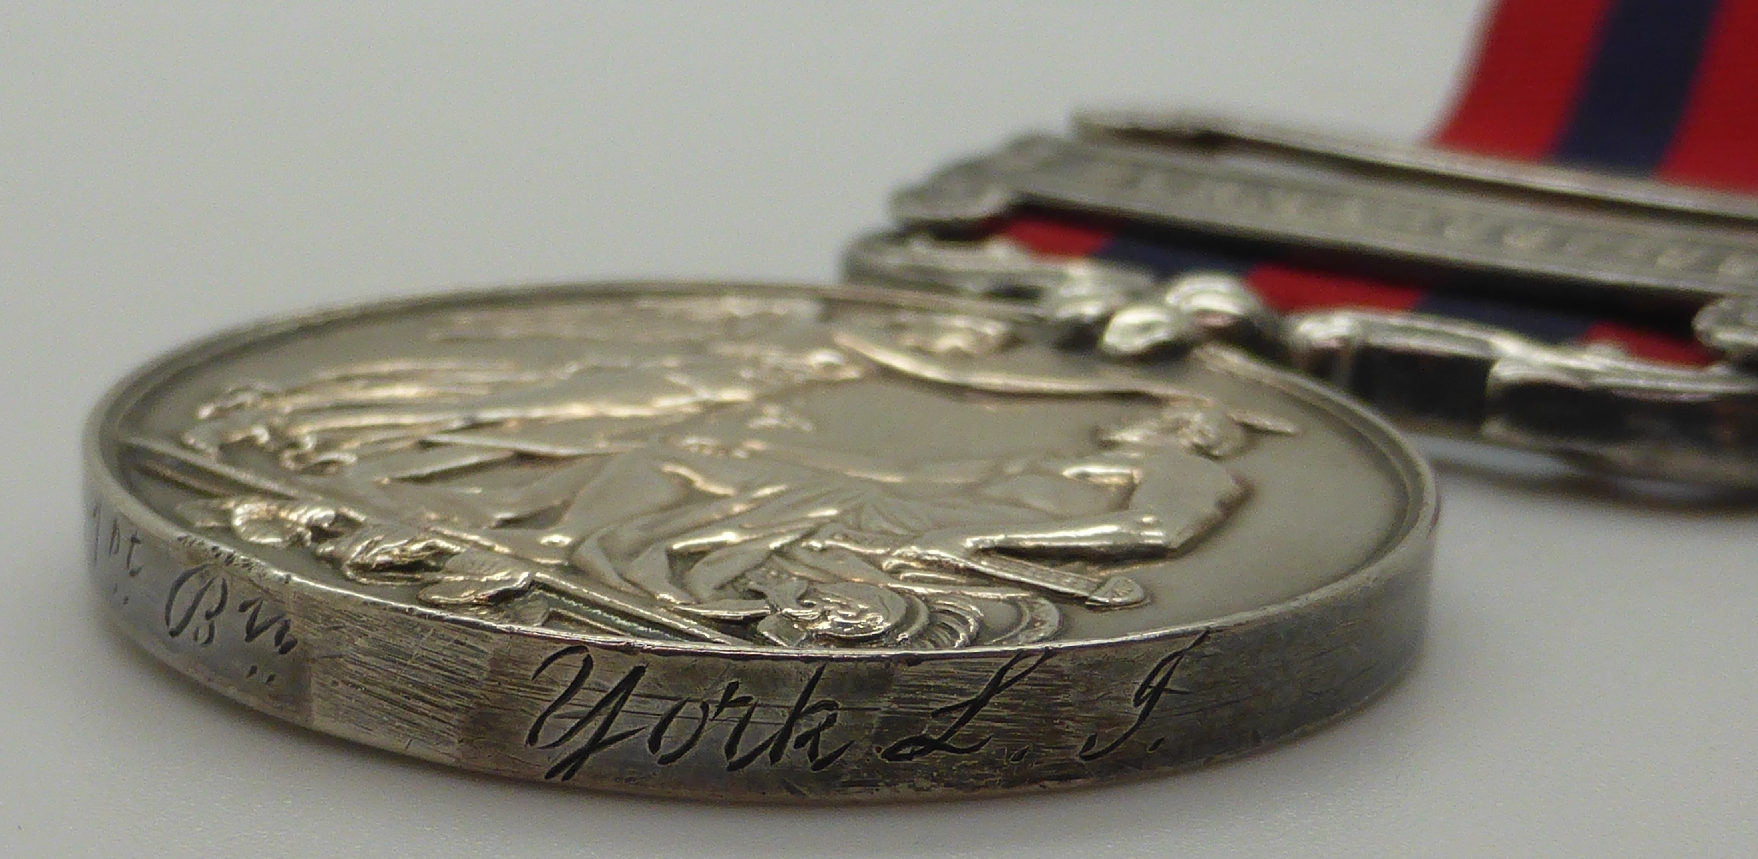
756	542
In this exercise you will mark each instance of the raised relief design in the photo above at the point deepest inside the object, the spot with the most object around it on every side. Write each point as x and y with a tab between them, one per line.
671	479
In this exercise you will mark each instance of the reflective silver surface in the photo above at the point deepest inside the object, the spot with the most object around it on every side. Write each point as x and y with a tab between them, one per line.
1218	134
757	542
1594	406
1575	246
1730	326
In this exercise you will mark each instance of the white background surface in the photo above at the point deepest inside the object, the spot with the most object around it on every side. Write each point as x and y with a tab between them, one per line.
1588	688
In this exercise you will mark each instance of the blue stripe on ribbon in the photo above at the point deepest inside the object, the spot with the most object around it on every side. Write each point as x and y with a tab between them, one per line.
1166	259
1637	86
1542	325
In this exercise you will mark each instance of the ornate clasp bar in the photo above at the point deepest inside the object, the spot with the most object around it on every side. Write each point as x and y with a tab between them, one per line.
1544	226
1545	233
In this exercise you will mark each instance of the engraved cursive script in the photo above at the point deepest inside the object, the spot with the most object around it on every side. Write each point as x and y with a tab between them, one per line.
1148	693
946	739
583	730
593	712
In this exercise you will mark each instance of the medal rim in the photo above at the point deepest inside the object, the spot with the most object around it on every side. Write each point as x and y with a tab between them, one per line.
1282	652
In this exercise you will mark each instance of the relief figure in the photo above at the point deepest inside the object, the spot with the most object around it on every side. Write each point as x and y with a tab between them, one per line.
684	491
